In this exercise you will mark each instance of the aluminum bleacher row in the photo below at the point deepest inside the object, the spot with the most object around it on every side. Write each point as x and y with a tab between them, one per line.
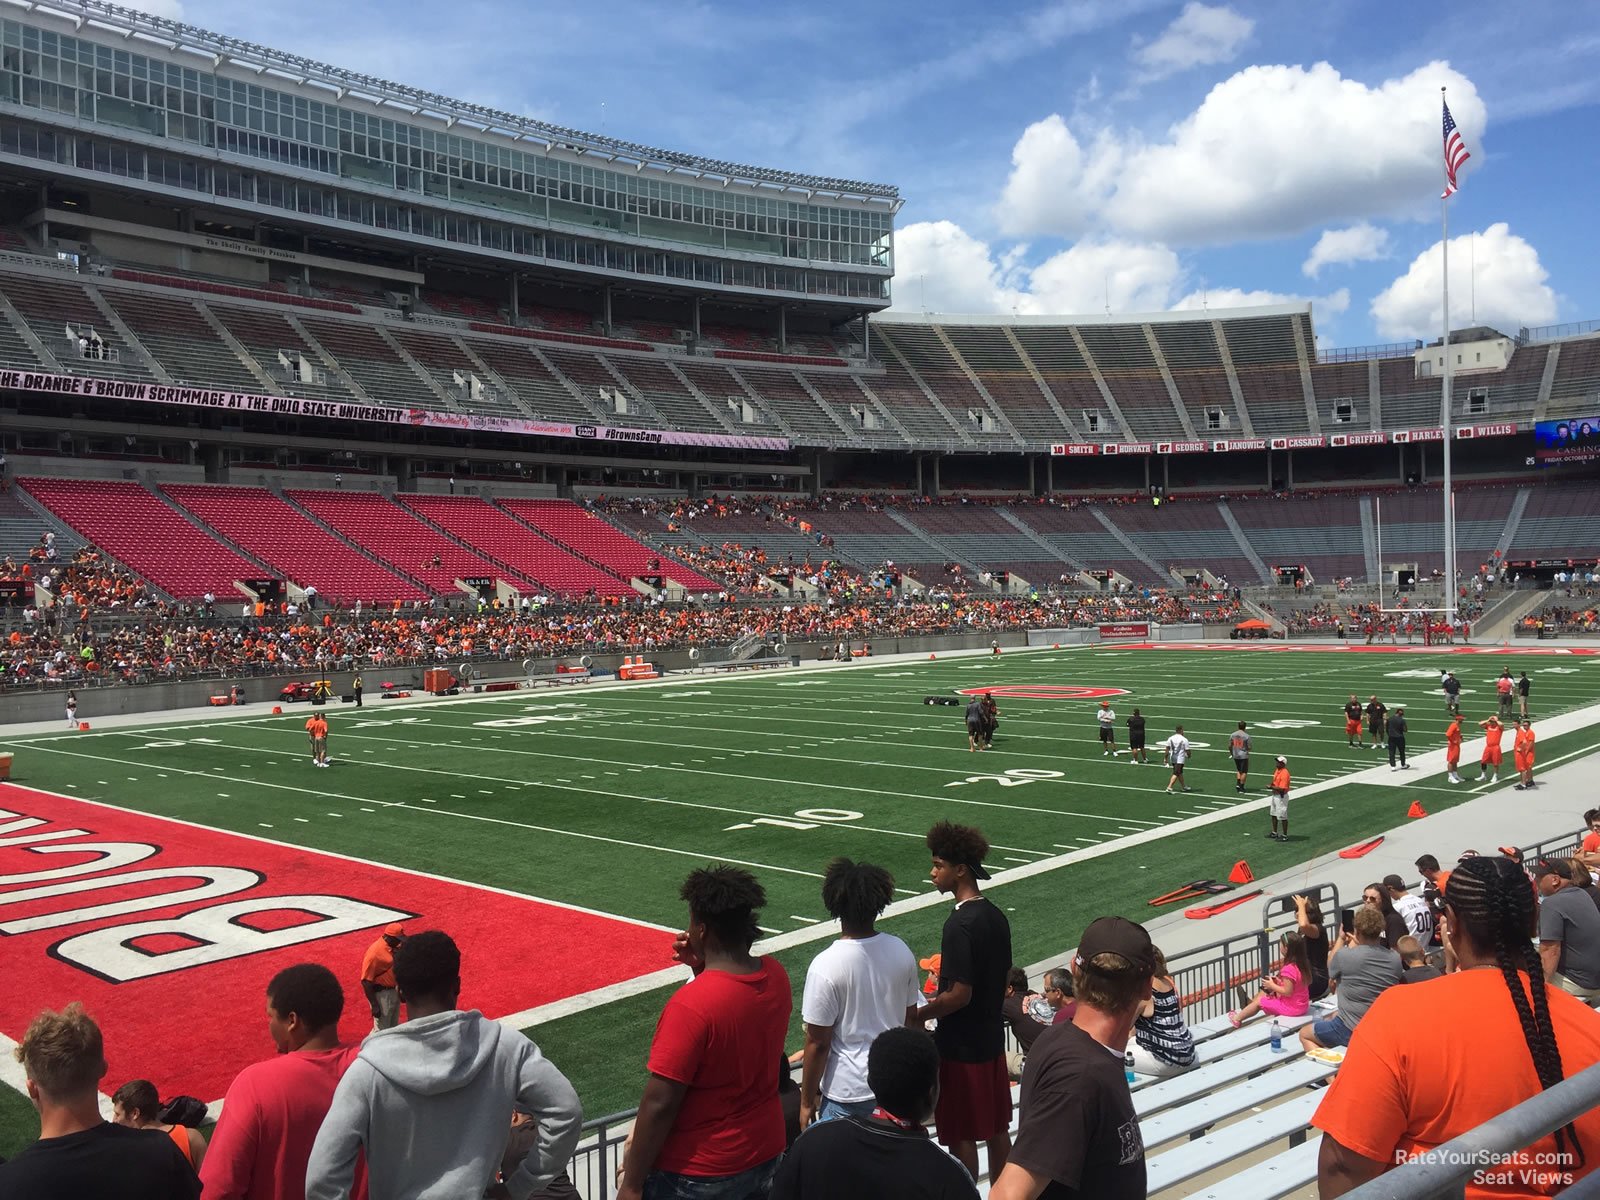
973	386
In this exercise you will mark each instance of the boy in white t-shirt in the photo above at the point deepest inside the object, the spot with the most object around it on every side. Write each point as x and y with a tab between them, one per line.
1176	754
863	984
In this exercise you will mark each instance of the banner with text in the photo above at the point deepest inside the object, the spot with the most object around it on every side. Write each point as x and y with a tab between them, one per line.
381	414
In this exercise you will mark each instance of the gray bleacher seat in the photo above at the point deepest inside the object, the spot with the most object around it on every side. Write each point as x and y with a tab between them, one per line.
1290	1119
1272	1178
1298	1072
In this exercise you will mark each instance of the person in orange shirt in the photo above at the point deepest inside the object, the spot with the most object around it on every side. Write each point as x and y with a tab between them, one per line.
1490	762
1279	803
377	977
1399	1095
1522	754
1452	750
317	731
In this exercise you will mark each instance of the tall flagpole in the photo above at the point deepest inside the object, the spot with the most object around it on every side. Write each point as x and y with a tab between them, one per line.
1444	417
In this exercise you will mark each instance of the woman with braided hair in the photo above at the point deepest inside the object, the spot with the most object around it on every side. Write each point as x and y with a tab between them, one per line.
1431	1061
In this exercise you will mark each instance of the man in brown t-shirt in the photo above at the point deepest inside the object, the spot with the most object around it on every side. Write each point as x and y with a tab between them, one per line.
1079	1136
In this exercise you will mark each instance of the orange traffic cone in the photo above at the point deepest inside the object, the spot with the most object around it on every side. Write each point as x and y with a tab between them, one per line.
277	710
931	657
1057	646
1241	873
83	726
1416	809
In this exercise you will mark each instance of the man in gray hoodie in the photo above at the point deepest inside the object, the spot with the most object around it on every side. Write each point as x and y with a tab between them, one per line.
430	1100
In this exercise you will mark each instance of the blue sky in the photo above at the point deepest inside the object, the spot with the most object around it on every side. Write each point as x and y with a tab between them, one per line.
1063	157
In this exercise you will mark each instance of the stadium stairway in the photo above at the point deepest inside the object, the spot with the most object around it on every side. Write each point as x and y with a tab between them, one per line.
23	519
1159	571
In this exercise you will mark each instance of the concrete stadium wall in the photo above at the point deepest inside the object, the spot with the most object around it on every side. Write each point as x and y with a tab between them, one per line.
261	691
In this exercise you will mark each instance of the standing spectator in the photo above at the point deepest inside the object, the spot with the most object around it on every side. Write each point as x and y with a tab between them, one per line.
1176	753
1399	1095
1569	931
274	1108
1489	763
864	983
377	977
1503	690
974	956
1163	1044
137	1105
1239	750
1377	714
357	687
79	1155
1136	749
1280	800
1395	727
1452	694
710	1122
1524	685
429	1102
885	1155
1079	1135
1452	750
1360	967
1413	910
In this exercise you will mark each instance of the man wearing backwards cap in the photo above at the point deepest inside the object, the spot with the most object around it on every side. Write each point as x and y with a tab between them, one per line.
974	957
1079	1136
377	977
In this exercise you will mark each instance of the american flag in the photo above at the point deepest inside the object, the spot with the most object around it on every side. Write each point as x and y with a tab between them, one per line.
1455	152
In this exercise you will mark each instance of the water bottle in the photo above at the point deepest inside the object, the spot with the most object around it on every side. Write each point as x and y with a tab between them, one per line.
1127	1066
1276	1037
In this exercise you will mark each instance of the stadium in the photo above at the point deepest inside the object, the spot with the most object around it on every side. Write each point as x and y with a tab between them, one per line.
596	496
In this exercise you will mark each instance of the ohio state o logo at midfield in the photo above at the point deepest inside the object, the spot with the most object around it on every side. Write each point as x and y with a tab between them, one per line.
1045	691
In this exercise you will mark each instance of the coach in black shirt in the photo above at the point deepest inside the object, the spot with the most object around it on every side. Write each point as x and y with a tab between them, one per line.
1079	1135
975	955
888	1155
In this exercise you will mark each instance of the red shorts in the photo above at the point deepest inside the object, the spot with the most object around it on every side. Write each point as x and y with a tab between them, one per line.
1452	756
1351	728
974	1101
1491	755
1523	762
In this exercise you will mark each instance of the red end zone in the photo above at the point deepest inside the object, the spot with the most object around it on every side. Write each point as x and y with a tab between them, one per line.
168	933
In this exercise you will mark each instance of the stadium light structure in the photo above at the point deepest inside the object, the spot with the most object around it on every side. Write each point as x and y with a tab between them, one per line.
221	48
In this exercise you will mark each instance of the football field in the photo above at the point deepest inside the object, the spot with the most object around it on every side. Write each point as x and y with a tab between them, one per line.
565	819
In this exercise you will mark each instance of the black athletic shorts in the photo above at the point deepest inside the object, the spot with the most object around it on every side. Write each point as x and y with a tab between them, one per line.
1107	734
1241	765
1136	741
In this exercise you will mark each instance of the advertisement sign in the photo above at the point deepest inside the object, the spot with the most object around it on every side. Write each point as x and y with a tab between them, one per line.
1576	439
1126	629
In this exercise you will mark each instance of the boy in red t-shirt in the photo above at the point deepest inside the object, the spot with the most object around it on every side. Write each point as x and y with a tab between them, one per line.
710	1113
1452	750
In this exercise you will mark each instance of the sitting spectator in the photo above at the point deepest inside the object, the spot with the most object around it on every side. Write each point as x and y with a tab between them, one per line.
859	986
1394	925
79	1155
1163	1045
274	1108
1569	931
1024	1027
888	1154
431	1099
1414	964
1286	994
1413	910
1058	995
1360	967
1308	923
137	1105
1399	1095
710	1115
1582	878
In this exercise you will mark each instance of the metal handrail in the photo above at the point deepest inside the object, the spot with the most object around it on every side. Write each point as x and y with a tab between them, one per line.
1446	1170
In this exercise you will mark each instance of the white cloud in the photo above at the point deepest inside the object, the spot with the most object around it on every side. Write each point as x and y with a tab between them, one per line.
1201	35
1271	151
1359	243
1510	287
1330	305
940	267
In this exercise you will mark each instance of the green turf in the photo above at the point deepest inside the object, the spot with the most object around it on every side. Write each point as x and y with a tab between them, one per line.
606	797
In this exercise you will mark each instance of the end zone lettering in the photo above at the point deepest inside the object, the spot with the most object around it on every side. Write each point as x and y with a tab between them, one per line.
142	918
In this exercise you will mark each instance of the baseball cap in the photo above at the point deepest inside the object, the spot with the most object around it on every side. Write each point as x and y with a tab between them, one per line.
1545	867
1283	760
1395	882
1117	935
931	963
1105	704
394	930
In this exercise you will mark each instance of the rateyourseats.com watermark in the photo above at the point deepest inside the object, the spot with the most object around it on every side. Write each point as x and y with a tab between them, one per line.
1535	1170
